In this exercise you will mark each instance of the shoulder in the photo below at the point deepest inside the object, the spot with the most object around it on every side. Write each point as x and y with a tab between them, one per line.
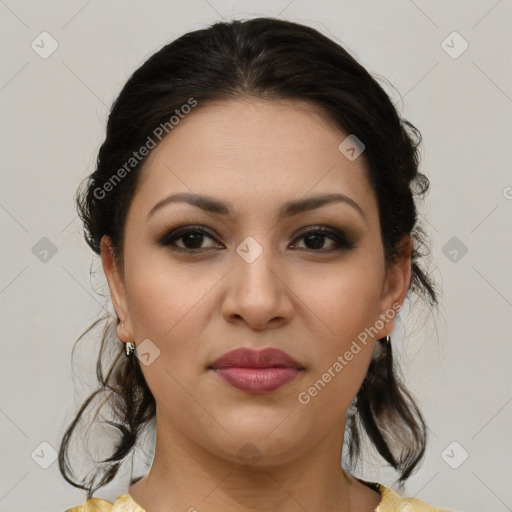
390	502
123	503
393	502
92	505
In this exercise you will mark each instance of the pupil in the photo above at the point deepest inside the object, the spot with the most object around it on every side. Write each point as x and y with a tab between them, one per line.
195	238
319	238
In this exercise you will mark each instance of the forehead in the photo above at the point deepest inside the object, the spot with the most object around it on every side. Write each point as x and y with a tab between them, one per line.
253	150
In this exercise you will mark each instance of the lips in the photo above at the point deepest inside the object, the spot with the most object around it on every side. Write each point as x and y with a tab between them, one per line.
256	371
249	358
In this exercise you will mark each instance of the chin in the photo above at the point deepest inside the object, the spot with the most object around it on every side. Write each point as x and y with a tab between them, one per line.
260	444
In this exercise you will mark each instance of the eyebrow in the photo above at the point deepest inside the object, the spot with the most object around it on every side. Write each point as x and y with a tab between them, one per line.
294	207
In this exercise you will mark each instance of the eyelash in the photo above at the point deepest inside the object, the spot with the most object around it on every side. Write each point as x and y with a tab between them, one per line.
168	239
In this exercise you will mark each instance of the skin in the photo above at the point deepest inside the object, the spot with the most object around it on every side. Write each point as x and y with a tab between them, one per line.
309	300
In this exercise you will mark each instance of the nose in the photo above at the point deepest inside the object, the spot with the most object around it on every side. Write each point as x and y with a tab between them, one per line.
257	292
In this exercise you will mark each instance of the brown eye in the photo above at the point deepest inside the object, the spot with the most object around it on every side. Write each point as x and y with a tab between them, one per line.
192	239
314	239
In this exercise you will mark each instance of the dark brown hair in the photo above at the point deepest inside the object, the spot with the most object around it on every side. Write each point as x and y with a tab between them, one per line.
268	58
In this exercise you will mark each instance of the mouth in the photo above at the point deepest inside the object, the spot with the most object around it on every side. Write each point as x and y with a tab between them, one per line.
256	371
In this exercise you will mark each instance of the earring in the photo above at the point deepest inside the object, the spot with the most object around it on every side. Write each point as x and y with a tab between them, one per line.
130	346
387	339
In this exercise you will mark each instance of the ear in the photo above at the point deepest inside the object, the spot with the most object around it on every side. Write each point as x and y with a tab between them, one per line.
395	286
116	287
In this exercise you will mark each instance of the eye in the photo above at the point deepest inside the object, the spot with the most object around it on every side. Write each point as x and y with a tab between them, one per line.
192	238
315	239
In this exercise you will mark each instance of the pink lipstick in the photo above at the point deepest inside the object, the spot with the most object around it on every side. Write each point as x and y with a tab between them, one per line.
256	371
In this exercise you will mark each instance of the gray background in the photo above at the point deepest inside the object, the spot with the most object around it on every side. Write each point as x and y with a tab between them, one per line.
54	111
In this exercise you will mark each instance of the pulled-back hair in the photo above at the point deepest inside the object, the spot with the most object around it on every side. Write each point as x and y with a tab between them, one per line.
266	58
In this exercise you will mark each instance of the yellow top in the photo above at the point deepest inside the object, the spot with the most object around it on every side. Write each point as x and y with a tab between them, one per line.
390	502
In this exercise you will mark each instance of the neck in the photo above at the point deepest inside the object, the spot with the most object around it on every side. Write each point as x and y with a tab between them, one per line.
185	476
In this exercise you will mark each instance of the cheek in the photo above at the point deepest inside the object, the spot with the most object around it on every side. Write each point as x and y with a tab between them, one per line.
342	306
342	299
164	307
170	304
343	349
160	292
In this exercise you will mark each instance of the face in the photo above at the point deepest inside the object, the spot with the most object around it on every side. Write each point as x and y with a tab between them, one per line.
311	282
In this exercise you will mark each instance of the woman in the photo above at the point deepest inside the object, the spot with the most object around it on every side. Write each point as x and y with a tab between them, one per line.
253	206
